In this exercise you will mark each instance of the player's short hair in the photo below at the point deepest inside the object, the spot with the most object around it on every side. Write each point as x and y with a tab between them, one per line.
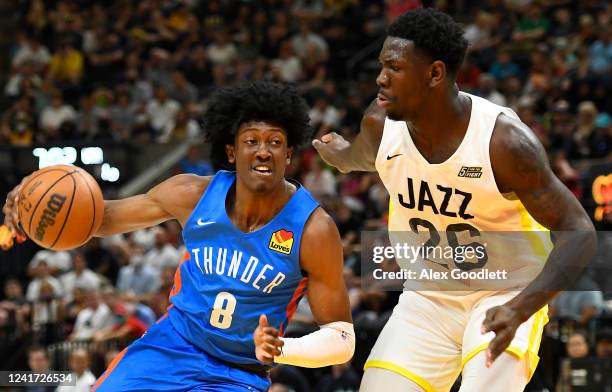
276	103
433	32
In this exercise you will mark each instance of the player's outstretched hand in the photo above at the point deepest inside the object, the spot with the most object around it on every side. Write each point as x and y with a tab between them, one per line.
11	216
504	321
267	343
329	147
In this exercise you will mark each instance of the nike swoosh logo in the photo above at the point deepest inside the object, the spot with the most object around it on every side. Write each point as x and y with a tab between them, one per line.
200	222
393	156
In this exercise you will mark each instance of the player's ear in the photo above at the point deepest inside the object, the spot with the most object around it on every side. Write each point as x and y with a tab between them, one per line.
437	73
289	154
231	153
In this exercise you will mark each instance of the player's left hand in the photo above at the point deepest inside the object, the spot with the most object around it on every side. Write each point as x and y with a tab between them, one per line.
504	321
267	342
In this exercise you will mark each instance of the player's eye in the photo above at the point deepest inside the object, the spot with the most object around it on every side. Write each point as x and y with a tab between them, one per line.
250	141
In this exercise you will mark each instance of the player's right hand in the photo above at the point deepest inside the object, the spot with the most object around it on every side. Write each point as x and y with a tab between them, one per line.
11	215
330	146
267	342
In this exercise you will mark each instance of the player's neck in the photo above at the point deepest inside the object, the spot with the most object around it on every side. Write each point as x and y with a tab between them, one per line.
448	115
250	210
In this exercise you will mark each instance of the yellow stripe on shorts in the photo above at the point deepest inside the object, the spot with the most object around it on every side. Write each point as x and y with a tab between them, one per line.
533	346
401	371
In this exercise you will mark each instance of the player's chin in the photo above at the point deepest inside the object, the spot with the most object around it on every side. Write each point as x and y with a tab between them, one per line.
393	115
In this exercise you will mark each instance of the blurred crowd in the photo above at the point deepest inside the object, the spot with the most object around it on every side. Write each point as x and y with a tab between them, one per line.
142	71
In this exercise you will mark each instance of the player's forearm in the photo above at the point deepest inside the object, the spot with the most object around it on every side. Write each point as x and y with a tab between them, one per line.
333	344
360	155
572	252
130	214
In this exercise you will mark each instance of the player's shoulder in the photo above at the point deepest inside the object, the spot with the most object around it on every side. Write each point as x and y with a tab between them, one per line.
320	228
320	241
516	153
181	189
190	182
511	135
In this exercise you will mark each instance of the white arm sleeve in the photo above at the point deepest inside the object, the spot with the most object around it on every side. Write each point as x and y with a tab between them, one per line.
333	344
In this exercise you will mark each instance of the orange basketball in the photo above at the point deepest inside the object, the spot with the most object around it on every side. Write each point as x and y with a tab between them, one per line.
60	207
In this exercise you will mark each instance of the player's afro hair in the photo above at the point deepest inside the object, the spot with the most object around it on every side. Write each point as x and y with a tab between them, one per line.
276	103
435	33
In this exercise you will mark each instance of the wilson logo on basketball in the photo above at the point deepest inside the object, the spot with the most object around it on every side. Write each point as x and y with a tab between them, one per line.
54	205
281	241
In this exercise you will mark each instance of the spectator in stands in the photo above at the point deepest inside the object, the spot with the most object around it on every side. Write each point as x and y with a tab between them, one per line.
601	54
131	319
196	68
42	276
311	48
182	127
585	141
181	90
93	318
577	346
100	260
159	301
162	254
138	277
58	261
161	110
79	276
324	116
580	304
32	52
72	306
562	25
193	164
222	51
158	70
24	75
319	180
67	65
487	89
504	68
38	361
19	123
603	343
47	316
107	58
79	366
532	27
121	115
288	65
55	115
14	318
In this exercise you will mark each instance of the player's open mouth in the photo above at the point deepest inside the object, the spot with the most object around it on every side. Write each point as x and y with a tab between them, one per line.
262	170
381	100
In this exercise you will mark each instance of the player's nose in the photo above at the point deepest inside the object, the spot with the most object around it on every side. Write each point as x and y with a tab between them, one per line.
382	79
263	153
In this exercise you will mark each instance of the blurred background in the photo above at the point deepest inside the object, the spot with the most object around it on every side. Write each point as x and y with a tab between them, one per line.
118	87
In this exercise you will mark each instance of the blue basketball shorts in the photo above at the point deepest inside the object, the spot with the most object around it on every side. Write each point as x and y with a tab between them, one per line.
161	360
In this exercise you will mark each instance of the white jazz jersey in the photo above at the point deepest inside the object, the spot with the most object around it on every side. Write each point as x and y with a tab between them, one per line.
458	202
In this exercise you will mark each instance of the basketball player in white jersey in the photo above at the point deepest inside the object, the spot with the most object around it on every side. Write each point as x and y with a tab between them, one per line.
455	162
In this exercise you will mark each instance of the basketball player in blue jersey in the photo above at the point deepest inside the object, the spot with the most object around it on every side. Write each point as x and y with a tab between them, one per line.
256	241
453	162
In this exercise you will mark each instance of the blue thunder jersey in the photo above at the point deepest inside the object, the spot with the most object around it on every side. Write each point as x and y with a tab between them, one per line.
232	277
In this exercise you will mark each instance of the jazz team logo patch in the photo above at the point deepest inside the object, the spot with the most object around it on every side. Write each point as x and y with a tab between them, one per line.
470	172
281	241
